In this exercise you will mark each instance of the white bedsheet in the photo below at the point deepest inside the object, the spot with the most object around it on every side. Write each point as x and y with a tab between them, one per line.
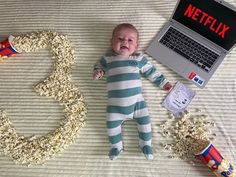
88	24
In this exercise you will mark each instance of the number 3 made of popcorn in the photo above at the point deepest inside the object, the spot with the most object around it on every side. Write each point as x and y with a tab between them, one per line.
36	150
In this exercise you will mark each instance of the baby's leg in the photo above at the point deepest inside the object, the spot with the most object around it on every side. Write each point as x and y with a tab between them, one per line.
144	130
118	110
115	138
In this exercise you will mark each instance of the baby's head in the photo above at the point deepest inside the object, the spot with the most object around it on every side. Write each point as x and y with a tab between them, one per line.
125	39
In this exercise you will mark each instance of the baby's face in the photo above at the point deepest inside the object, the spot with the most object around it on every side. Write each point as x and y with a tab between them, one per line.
125	42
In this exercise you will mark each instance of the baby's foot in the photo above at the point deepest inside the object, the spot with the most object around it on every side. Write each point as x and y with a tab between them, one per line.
147	151
114	153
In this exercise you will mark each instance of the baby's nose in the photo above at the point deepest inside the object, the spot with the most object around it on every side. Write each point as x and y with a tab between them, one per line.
124	41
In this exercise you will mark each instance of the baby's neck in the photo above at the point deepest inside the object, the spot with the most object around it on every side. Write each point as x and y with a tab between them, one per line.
123	56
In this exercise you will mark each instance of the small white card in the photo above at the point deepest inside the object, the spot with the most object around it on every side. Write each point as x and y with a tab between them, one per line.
178	99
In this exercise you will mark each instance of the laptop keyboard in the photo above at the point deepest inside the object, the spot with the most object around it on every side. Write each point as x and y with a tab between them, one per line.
189	49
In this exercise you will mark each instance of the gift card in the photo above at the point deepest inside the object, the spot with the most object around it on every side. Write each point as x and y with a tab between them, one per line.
178	99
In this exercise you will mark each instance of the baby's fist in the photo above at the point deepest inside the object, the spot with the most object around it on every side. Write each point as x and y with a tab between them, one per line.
168	86
98	74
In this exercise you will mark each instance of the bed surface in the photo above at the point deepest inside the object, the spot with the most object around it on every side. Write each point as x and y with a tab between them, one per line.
88	25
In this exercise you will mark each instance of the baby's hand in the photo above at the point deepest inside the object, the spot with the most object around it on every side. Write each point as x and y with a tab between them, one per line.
98	74
168	86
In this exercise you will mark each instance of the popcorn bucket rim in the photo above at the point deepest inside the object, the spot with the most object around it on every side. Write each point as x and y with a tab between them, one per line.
10	39
201	152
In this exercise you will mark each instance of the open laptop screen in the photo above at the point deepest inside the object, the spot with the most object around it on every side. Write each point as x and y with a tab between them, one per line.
211	19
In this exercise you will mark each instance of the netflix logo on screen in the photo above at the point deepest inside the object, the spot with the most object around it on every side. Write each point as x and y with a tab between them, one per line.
212	19
206	19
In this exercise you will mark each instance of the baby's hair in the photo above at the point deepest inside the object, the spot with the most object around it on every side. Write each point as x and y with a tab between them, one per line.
125	25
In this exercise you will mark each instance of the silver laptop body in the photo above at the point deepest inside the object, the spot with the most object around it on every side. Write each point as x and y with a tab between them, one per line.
197	68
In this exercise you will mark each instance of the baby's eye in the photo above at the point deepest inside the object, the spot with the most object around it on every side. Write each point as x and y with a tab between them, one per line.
130	40
120	38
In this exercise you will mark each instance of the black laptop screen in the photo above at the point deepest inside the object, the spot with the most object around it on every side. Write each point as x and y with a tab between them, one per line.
209	18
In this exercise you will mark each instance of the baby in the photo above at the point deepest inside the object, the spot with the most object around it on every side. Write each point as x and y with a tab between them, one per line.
125	101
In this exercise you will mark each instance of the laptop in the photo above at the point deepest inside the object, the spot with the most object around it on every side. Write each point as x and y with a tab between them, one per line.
196	39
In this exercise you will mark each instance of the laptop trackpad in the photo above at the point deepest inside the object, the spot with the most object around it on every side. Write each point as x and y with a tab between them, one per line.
169	58
177	63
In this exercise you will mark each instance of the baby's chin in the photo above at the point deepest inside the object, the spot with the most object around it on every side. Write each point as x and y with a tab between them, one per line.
124	53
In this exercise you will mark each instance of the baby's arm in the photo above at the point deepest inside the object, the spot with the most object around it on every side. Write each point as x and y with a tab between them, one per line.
99	69
150	72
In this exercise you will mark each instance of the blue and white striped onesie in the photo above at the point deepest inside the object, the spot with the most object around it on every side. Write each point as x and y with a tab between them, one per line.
125	100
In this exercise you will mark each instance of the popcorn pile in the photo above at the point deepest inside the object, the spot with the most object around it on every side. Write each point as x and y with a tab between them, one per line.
36	150
190	134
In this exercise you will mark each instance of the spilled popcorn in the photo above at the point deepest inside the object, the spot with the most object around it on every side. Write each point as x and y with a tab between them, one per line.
36	150
190	134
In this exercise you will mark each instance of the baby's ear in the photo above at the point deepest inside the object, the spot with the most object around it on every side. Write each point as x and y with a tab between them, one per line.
111	41
137	46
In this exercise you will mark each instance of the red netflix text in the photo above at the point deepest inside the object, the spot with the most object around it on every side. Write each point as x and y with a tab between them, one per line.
205	19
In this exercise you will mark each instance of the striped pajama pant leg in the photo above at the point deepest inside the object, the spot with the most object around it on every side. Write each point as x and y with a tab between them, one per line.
140	113
119	110
141	116
114	133
115	137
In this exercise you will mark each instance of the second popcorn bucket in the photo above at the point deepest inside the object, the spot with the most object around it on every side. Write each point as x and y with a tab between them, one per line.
211	157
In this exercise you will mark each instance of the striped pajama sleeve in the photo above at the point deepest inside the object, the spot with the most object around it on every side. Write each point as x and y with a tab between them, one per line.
151	73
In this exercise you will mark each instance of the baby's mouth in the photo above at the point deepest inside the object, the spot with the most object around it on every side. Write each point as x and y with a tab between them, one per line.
124	47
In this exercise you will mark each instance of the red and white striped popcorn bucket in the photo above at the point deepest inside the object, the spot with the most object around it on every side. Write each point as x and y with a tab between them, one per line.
6	48
211	157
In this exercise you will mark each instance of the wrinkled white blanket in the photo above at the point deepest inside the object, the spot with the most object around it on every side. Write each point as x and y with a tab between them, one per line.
88	24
